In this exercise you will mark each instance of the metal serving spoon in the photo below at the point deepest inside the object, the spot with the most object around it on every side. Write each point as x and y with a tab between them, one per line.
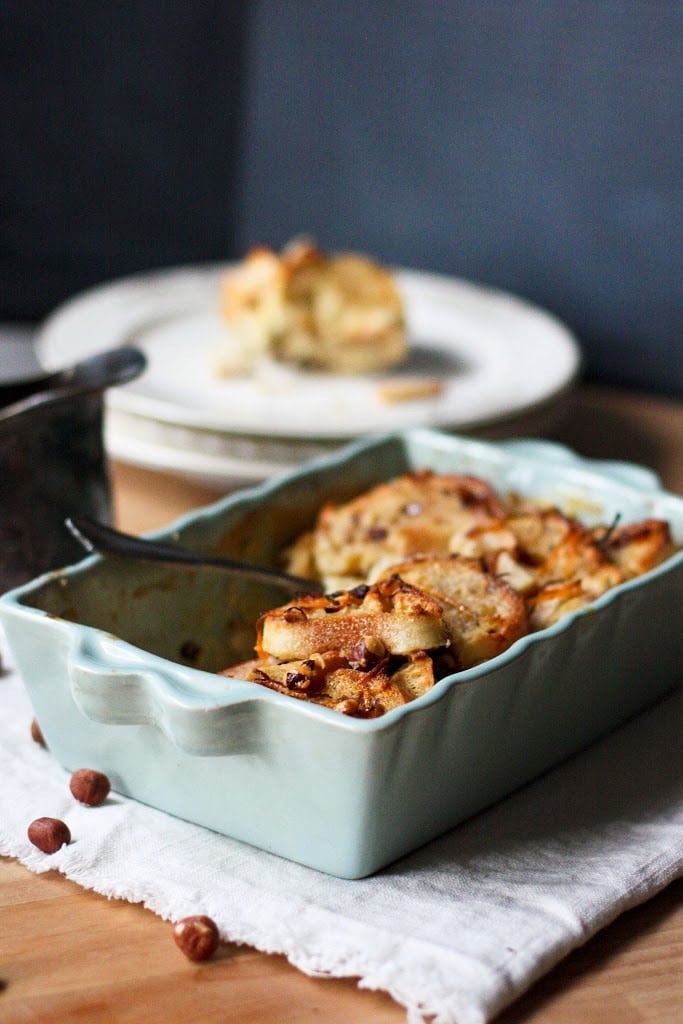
106	540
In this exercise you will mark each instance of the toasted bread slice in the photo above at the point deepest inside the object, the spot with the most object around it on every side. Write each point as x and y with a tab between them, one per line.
483	614
579	569
400	616
299	558
578	557
637	547
483	538
509	567
416	676
538	531
373	692
414	514
552	602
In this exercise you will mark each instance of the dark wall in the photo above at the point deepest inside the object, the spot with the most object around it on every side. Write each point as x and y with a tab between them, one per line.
119	123
533	145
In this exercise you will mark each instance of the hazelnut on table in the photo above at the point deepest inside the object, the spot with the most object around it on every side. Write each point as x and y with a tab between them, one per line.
89	786
196	936
49	834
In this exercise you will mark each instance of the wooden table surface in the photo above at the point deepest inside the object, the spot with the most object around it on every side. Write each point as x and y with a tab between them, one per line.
67	954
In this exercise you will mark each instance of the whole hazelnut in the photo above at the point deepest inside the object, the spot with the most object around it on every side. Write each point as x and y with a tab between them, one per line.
90	787
197	937
49	834
37	733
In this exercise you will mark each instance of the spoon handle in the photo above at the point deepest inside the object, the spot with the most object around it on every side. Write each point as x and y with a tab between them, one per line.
96	373
106	540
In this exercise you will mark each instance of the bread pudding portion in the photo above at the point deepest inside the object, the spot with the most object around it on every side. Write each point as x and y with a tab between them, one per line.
417	513
340	313
429	574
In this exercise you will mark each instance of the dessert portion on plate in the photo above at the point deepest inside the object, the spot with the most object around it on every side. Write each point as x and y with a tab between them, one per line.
302	307
429	574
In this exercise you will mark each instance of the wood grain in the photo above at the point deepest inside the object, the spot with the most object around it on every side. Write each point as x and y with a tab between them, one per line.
67	954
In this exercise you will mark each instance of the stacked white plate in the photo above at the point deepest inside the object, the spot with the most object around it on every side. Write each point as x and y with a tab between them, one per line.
502	366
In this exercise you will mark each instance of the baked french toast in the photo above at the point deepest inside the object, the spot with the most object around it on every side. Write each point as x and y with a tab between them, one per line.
429	574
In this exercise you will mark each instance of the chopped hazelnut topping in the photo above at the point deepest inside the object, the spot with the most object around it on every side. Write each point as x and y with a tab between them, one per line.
367	652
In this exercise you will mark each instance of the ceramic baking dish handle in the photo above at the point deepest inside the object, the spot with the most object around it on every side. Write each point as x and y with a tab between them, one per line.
630	473
208	717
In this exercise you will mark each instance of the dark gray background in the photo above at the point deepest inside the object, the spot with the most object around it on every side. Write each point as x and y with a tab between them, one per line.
526	144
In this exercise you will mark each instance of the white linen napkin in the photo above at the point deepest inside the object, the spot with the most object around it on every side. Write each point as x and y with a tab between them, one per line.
454	932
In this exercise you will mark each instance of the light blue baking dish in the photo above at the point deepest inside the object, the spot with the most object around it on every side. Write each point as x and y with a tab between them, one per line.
119	661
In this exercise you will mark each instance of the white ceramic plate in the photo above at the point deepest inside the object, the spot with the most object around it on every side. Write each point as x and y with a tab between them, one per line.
496	356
